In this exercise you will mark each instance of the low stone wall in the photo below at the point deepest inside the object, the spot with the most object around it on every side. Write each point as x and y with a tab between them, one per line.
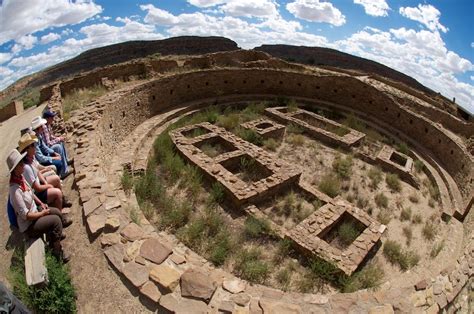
10	110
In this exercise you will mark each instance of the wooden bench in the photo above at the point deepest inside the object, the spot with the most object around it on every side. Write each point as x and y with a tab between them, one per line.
35	258
35	262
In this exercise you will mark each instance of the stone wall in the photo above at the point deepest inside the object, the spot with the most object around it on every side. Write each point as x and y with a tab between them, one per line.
10	110
162	94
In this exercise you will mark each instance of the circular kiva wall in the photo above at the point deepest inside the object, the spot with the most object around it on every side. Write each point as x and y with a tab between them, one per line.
120	127
439	146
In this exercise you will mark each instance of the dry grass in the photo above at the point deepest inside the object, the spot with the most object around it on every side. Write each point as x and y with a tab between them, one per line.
81	97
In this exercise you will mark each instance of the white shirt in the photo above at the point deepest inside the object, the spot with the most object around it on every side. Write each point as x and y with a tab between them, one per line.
23	203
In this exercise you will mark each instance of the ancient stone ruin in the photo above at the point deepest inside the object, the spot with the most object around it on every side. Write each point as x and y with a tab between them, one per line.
316	125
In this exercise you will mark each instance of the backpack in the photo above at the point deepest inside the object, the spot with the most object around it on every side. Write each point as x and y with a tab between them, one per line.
11	214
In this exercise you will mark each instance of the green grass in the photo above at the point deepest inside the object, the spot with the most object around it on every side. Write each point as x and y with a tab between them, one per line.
393	182
375	176
249	265
255	228
250	135
370	277
403	148
394	253
295	139
429	230
405	214
330	185
381	200
126	181
283	277
347	233
419	166
29	96
57	297
292	106
216	194
81	97
384	216
293	128
408	233
417	219
436	249
271	144
342	166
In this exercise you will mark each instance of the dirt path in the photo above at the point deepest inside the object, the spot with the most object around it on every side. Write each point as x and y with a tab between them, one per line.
99	289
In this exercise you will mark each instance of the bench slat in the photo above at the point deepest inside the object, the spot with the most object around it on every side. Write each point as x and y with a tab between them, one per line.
35	262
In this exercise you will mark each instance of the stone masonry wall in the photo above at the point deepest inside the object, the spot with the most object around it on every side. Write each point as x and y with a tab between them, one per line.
10	110
165	93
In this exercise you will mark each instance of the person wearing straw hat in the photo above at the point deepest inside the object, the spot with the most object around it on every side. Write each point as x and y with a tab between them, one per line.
33	216
45	154
47	190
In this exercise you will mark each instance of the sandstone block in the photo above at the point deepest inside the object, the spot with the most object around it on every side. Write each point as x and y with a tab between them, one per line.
274	307
178	259
135	273
95	223
241	299
114	254
234	285
131	251
197	284
154	251
165	276
151	291
421	285
132	232
109	239
382	309
112	223
91	205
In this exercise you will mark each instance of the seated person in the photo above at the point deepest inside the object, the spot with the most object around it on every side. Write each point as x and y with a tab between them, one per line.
45	170
48	135
46	155
47	189
32	220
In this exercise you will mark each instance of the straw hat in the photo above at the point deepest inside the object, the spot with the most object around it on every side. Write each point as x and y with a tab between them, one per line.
14	159
26	140
37	122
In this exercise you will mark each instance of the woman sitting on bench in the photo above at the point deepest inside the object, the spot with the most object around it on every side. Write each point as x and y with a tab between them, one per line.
49	189
33	220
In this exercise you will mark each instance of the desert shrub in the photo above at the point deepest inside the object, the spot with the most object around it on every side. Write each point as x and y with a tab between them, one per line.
253	110
271	144
347	233
342	166
288	204
210	150
370	277
294	128
434	191
192	179
403	148
174	167
396	255
250	135
255	228
306	283
295	139
362	202
375	176
323	270
284	248
192	235
393	182
176	215
413	198
126	181
149	188
221	248
292	106
229	122
429	230
250	266
408	233
58	296
283	277
417	219
405	214
282	101
431	203
134	215
330	185
217	193
436	249
148	210
381	200
352	122
419	166
384	216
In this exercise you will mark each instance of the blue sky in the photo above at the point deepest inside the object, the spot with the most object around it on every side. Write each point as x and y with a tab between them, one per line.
430	40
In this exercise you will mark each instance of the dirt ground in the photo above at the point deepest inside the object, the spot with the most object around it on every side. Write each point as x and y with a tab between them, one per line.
99	289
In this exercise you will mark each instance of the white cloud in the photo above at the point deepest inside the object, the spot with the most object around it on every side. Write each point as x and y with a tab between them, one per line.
246	34
472	77
205	3
49	38
472	45
316	11
5	57
250	8
24	43
374	7
158	16
20	18
421	55
426	14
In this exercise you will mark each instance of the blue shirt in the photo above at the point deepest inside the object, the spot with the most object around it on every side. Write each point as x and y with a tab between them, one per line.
43	152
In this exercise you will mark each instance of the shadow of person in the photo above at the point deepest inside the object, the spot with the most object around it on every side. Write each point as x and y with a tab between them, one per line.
15	240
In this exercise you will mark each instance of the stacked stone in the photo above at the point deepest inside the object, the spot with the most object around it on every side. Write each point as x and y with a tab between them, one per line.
266	128
352	138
